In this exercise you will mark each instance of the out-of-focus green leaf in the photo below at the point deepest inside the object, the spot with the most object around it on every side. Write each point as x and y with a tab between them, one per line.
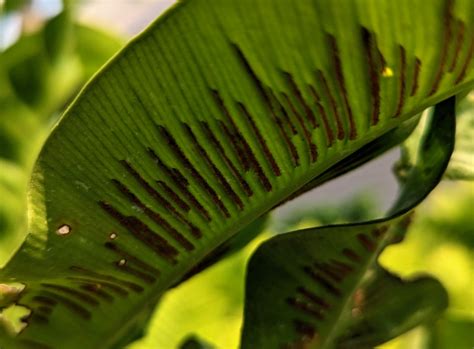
208	306
461	166
452	332
59	36
440	243
44	73
462	161
12	207
95	47
27	75
14	5
452	220
323	288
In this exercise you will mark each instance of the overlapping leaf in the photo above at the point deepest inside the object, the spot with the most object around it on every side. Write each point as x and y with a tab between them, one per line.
323	288
211	117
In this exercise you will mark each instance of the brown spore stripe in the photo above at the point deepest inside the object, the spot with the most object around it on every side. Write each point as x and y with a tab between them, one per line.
197	176
373	58
238	149
313	298
157	218
47	301
90	283
407	220
366	242
97	291
332	104
71	305
343	267
329	271
263	144
447	33
159	198
44	310
282	111
351	254
143	233
322	113
282	124
181	182
244	147
402	80
467	62
130	258
173	196
217	173
125	268
232	132
295	158
357	336
250	72
306	133
336	58
305	307
108	278
304	328
323	282
271	102
296	92
79	296
461	29
380	231
34	344
265	93
218	146
416	77
38	318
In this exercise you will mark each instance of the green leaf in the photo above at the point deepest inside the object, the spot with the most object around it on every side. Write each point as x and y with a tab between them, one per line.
452	332
23	128
95	47
214	115
209	306
461	166
14	5
59	35
323	287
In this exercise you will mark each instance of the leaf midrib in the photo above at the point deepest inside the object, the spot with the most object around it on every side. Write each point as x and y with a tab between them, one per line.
341	318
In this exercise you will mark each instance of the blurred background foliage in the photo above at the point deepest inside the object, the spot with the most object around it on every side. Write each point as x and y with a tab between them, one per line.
46	56
45	59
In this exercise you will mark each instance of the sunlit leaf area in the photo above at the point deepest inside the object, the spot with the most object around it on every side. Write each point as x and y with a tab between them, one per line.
224	174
